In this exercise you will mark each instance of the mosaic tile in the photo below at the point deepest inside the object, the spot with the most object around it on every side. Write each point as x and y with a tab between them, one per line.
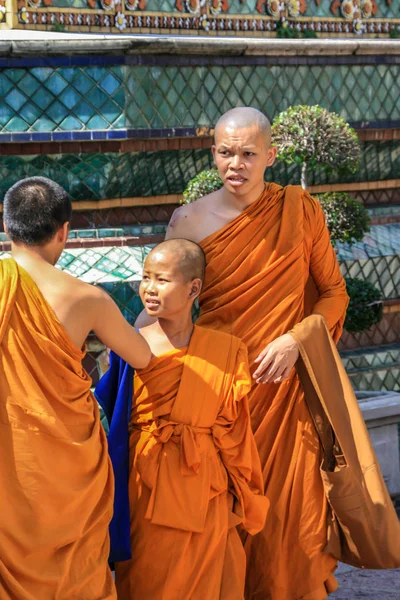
50	99
198	95
113	175
166	96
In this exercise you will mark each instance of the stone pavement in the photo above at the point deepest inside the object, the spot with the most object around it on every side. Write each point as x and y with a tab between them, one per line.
359	584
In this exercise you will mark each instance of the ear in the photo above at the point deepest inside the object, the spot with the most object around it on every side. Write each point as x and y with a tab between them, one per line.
213	150
271	155
5	229
63	232
195	288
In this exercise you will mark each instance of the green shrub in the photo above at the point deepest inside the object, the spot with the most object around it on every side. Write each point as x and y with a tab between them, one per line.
347	219
312	136
204	183
365	307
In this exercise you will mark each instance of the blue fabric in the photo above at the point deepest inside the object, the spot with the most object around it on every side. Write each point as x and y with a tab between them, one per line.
114	394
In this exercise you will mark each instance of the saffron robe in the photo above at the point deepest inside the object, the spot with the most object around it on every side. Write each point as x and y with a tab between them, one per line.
258	268
55	474
195	474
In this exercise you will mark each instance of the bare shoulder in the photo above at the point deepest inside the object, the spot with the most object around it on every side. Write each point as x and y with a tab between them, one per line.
183	223
79	292
189	220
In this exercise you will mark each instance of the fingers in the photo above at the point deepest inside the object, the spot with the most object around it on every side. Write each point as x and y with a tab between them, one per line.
284	375
262	354
262	367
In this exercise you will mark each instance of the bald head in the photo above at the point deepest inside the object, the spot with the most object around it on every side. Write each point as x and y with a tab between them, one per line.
245	117
189	257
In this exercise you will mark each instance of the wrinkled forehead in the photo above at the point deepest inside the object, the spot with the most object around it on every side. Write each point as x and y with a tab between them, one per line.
231	132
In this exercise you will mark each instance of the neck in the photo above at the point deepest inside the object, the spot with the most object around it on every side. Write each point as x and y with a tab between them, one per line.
32	254
242	202
178	329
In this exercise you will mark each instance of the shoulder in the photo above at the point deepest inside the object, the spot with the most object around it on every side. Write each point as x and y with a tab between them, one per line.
188	220
82	292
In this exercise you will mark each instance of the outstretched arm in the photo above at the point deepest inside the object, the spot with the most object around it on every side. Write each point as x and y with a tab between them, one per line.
114	331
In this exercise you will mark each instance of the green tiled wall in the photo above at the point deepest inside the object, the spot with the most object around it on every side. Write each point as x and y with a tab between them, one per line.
96	176
146	96
198	95
57	99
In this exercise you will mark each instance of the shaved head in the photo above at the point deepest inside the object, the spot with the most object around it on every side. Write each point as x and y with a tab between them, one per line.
245	117
189	256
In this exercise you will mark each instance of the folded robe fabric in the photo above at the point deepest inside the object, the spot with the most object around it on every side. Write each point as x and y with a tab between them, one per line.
194	474
114	394
55	474
363	527
257	287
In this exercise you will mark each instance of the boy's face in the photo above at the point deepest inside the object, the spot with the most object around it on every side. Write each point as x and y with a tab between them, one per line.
164	290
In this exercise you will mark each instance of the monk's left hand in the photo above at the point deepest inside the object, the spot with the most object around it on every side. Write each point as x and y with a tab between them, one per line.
277	360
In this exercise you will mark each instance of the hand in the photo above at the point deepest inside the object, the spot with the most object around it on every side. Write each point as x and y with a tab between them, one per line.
276	360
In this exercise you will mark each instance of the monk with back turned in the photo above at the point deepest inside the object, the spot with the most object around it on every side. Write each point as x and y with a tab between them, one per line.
56	479
194	470
264	246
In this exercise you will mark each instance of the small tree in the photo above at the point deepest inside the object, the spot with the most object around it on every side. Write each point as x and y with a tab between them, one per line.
312	136
347	219
365	308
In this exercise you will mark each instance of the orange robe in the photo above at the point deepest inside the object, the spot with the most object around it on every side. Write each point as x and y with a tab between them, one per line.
194	474
55	476
257	269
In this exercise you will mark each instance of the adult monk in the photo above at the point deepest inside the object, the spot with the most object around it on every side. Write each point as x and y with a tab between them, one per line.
194	469
55	475
262	242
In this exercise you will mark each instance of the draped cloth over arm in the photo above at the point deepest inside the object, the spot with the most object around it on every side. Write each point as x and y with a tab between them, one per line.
195	474
266	270
363	528
56	480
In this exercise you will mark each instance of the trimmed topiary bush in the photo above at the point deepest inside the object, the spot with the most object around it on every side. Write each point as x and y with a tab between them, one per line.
365	307
312	136
347	219
204	183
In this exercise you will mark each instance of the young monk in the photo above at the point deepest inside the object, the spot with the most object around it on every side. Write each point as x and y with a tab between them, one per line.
55	475
194	469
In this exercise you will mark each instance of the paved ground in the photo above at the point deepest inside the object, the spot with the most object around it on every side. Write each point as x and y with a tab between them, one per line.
357	584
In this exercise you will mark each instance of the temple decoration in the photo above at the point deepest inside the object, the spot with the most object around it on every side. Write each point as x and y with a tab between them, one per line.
260	17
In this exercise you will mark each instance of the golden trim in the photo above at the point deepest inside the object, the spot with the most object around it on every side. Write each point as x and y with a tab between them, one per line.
126	202
354	187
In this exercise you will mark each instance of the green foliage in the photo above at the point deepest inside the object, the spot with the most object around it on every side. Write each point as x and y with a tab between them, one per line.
284	31
347	219
204	183
58	27
394	33
309	33
365	308
314	136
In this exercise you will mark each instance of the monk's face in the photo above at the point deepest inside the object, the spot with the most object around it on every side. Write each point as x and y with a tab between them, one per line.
164	290
241	156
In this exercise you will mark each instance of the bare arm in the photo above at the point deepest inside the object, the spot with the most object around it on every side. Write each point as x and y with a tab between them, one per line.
114	331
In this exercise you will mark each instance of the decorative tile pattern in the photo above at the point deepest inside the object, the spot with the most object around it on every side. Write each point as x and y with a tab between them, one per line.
132	174
209	16
374	369
104	265
178	97
48	99
197	96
